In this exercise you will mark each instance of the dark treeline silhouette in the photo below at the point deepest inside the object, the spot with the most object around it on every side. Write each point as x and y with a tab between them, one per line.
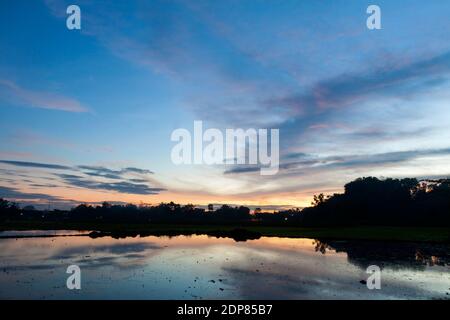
130	213
162	213
366	201
389	202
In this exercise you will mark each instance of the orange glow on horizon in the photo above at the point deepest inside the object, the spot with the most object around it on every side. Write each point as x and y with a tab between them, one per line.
80	195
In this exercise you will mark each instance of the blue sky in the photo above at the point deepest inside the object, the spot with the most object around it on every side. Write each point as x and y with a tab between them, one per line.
348	101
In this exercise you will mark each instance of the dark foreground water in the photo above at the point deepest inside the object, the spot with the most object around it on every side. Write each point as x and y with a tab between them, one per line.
203	267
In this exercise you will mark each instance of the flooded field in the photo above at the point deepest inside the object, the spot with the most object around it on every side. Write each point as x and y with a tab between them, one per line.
205	267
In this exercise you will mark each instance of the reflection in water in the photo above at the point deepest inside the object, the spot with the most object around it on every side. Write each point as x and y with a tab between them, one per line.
205	267
237	234
388	254
40	233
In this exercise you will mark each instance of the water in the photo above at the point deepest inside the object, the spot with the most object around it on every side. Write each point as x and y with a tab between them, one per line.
203	267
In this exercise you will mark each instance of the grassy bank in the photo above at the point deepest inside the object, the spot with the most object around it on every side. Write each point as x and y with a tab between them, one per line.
420	234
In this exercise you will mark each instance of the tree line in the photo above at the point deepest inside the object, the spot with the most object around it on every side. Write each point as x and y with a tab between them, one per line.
365	201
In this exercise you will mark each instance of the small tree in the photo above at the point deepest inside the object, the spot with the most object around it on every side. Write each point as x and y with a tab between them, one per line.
318	199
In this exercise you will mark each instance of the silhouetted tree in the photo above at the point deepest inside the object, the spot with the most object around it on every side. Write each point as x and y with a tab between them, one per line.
8	210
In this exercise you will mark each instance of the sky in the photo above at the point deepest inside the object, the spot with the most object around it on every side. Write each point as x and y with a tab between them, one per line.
86	115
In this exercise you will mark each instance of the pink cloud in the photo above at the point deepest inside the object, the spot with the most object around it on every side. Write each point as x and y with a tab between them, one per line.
41	99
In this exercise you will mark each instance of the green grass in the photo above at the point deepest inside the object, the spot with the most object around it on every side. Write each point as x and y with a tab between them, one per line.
420	234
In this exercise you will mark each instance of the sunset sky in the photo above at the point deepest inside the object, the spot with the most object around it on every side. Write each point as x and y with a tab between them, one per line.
86	115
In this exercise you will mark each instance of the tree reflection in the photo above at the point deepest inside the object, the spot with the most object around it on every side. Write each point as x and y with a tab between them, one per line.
394	255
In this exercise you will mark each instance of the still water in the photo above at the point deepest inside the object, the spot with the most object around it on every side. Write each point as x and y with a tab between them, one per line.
204	267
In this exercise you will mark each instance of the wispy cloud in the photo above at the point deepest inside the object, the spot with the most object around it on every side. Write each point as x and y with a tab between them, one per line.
121	182
305	161
35	165
11	193
38	99
243	169
99	170
348	89
121	186
102	171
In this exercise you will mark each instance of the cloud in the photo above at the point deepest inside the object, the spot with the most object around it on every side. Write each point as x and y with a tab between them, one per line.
35	165
376	133
137	170
46	185
342	161
243	169
138	180
105	172
347	89
384	158
115	248
98	171
10	193
39	99
122	182
121	186
90	170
